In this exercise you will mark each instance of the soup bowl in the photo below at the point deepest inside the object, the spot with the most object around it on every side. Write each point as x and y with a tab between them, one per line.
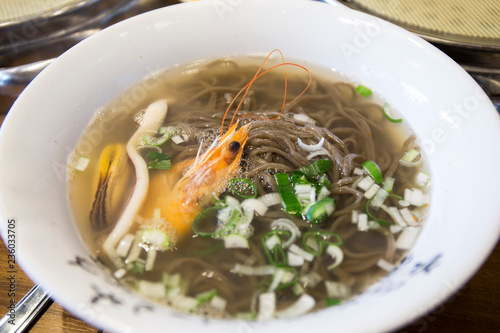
456	125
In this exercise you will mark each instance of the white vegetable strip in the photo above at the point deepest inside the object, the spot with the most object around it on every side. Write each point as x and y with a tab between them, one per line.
416	197
135	251
257	205
404	203
304	118
395	228
379	198
153	118
311	148
336	253
119	273
267	306
82	163
385	265
321	151
300	252
218	303
184	303
294	260
372	191
395	214
272	241
233	202
354	216
234	241
151	289
365	183
358	171
277	278
407	238
422	179
271	199
124	245
408	217
389	183
177	139
323	193
286	224
304	304
337	290
311	279
362	222
150	258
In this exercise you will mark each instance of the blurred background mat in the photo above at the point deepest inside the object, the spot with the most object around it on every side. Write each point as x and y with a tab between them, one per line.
466	22
35	32
17	10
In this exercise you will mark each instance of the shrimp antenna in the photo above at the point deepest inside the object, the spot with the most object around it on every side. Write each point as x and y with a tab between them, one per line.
257	75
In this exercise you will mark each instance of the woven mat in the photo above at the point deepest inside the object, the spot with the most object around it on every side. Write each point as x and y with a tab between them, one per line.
20	10
470	18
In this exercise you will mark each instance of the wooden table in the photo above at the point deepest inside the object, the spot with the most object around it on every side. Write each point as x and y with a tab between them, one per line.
475	308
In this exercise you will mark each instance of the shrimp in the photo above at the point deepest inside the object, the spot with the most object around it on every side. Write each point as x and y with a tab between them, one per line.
176	196
181	199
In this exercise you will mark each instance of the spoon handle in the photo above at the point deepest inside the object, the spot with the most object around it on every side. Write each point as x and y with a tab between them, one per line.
25	311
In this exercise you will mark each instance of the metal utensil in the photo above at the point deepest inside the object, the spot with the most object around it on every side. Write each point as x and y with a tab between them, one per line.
25	311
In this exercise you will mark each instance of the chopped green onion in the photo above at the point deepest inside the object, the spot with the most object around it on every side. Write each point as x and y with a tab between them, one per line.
277	256
243	187
386	114
373	169
156	237
321	238
299	178
332	301
389	184
209	215
206	296
290	202
317	168
159	161
318	212
82	163
363	90
165	133
138	267
324	181
410	155
370	215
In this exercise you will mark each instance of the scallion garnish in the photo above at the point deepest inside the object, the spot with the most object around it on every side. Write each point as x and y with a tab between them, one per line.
318	212
373	169
363	90
277	255
317	168
386	111
332	301
210	215
138	267
157	141
290	202
320	239
159	161
243	187
370	215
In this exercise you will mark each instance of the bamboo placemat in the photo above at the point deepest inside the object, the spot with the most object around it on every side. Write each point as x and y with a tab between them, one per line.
19	10
469	18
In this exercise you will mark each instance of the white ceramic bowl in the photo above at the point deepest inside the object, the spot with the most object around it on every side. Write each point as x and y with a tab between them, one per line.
454	120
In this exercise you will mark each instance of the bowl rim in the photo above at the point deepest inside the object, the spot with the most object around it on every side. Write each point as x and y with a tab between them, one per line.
12	120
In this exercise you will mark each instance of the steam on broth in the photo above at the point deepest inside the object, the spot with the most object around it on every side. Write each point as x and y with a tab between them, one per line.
274	216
